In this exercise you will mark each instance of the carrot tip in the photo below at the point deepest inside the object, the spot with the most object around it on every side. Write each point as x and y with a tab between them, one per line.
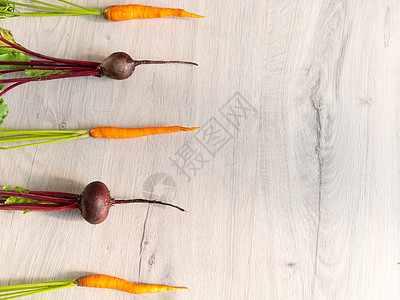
175	288
189	128
197	16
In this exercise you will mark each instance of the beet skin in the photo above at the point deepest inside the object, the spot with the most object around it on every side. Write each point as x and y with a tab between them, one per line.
95	202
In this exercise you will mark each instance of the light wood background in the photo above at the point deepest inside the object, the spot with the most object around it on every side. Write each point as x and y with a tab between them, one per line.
292	185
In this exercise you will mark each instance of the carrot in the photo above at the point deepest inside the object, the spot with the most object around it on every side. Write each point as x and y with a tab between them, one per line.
97	281
115	283
114	13
109	132
53	136
118	13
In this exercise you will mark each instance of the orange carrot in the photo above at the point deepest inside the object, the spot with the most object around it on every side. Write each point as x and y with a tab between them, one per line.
109	132
97	281
115	283
118	13
54	136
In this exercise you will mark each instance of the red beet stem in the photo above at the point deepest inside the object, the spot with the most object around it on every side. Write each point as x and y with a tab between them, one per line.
39	197
55	194
91	72
67	61
53	63
50	68
146	201
44	63
38	207
12	71
10	88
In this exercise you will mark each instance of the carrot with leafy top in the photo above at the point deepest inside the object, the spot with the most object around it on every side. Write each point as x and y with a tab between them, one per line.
96	281
106	132
115	13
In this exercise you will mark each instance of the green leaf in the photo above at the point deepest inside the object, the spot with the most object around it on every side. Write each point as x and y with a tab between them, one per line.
7	35
7	188
39	73
3	110
21	189
20	200
24	200
8	50
14	56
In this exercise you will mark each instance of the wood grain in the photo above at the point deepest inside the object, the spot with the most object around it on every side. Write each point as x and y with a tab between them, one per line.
292	184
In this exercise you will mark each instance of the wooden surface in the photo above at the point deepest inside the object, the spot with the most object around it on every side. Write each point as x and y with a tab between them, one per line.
292	185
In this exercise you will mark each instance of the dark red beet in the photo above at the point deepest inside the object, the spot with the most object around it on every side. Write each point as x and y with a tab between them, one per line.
95	202
120	65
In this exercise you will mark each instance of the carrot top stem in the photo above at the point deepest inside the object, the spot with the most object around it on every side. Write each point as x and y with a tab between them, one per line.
146	201
21	290
9	9
49	136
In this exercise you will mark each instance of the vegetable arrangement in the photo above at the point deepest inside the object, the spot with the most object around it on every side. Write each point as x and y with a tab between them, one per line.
16	59
94	202
96	281
106	132
114	13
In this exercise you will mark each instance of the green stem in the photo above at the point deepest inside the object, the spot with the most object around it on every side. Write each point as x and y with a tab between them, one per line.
45	14
27	286
80	6
34	288
23	138
20	293
39	132
47	142
53	5
48	9
32	6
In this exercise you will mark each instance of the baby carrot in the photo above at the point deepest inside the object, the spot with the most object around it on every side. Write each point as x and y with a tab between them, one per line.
115	283
109	132
97	281
118	13
106	132
114	13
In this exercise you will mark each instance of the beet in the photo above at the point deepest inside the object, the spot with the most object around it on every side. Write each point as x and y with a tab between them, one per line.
94	202
120	65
